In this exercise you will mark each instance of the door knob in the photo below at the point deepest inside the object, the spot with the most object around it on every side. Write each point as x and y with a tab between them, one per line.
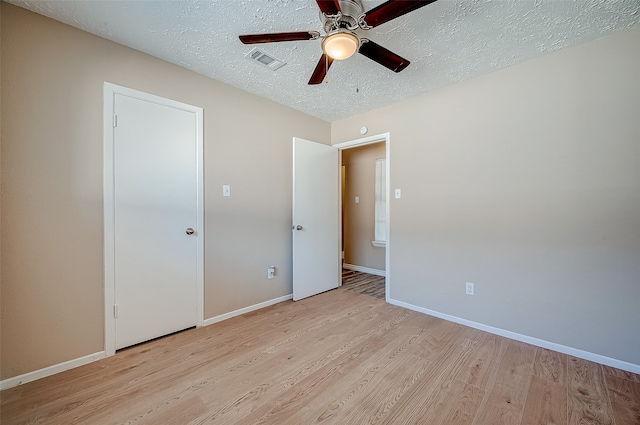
190	231
298	227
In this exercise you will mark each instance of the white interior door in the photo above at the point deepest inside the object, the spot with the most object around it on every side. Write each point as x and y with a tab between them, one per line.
155	204
316	218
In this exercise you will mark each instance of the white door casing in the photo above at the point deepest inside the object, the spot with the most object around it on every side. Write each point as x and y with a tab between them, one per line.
316	218
153	194
386	138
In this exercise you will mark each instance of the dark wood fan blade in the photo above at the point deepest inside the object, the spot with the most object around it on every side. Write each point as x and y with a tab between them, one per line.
329	7
392	9
383	56
277	36
321	69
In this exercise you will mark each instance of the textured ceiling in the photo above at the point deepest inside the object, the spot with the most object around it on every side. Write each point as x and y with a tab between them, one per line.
446	42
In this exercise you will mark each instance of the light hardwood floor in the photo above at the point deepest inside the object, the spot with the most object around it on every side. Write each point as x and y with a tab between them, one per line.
336	358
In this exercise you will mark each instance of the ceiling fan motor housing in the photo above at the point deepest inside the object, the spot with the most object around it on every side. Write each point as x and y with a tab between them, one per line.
351	11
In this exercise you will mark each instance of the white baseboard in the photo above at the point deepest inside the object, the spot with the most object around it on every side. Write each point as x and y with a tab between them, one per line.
244	310
597	358
51	370
364	269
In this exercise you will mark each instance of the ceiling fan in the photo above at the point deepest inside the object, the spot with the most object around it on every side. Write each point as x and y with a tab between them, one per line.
340	20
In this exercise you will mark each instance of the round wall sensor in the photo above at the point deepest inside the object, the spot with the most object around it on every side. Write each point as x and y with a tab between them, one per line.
363	130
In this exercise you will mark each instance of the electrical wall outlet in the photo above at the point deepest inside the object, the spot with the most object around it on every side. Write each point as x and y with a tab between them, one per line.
469	288
271	271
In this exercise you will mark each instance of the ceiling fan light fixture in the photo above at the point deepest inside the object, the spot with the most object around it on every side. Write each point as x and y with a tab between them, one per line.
341	45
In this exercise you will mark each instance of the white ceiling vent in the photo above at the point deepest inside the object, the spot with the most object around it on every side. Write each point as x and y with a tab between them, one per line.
265	59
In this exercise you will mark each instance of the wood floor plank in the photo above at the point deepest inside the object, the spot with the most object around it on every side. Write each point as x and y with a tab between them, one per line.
505	401
484	362
588	401
314	380
373	384
174	413
625	399
546	403
458	404
551	366
360	382
423	402
269	382
377	400
289	406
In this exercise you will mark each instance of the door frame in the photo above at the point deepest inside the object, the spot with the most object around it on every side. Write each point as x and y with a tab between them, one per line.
109	92
377	138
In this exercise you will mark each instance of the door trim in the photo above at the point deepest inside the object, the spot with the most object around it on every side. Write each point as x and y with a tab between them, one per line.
377	138
109	92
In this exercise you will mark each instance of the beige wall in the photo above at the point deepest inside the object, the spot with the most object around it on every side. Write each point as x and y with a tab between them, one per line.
359	219
52	256
526	182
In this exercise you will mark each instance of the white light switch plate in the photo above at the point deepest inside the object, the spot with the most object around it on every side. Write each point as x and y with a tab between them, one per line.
398	193
226	190
357	199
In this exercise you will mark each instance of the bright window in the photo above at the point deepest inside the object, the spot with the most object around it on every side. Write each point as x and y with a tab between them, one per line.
381	203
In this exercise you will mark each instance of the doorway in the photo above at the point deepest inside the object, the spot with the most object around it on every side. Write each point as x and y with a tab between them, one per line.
363	208
365	258
153	217
317	213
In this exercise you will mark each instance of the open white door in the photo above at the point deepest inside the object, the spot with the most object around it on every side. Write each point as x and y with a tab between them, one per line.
316	218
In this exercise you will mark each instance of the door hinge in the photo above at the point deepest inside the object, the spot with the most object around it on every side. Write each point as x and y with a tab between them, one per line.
115	121
115	311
